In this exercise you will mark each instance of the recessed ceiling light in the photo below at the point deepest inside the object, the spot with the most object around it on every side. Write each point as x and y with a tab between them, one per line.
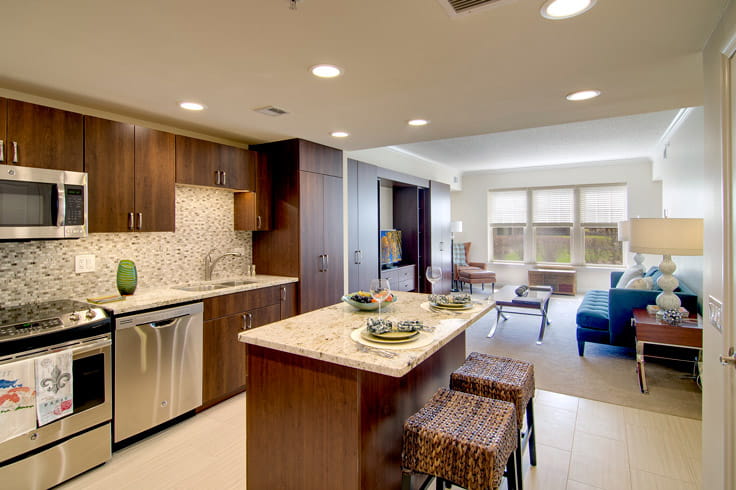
418	122
191	106
564	9
339	134
326	71
583	95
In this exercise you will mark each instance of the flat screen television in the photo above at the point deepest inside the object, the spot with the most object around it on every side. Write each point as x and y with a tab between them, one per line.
390	247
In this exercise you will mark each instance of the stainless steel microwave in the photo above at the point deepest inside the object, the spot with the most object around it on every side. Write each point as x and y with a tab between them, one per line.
38	203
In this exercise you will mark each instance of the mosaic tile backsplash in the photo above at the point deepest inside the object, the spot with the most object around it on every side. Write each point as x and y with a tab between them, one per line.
42	270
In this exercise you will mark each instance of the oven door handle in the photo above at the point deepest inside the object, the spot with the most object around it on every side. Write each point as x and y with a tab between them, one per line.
76	348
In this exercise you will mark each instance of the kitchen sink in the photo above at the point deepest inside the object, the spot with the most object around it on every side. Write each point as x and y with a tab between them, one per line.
230	284
200	287
213	287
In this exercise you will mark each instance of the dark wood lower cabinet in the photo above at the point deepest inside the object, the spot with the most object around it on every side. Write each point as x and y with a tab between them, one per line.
312	424
224	357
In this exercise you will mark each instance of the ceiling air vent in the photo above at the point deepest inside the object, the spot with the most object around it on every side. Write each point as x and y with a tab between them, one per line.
463	7
272	111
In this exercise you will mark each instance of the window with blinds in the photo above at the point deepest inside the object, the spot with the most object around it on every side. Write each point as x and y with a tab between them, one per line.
561	224
507	211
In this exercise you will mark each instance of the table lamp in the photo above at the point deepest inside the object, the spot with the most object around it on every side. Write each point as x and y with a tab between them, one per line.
667	236
624	235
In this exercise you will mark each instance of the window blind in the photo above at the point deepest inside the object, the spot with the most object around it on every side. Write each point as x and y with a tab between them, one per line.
603	204
507	207
553	206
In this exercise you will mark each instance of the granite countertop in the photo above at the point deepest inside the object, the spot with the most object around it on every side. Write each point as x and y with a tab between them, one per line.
144	299
325	334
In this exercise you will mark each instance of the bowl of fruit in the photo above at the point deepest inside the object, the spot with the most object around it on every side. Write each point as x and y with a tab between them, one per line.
363	300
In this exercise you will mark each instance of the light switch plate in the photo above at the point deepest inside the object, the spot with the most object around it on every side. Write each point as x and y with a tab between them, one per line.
715	312
84	263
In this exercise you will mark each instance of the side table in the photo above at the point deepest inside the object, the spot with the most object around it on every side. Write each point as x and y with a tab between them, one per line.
651	330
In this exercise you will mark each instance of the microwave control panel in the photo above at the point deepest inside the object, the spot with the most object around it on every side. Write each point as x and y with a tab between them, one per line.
74	205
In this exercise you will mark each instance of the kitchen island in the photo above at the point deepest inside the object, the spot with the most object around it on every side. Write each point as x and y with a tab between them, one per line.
322	414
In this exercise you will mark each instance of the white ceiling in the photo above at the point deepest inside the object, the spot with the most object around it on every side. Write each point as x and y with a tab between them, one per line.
619	138
502	68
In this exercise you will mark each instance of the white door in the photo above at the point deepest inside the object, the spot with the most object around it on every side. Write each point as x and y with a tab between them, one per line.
719	382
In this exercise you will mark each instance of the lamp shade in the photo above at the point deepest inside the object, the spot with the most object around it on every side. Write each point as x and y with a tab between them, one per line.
623	231
666	236
456	226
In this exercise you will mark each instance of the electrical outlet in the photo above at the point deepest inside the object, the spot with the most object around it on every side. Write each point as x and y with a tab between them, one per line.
84	263
715	310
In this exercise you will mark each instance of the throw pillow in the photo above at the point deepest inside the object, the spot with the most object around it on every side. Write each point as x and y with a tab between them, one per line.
644	283
458	254
628	276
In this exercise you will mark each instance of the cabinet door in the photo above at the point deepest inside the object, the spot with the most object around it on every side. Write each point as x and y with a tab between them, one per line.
332	239
354	280
45	137
368	223
109	163
320	159
289	301
154	180
197	162
4	155
263	192
238	168
312	274
439	209
265	315
223	357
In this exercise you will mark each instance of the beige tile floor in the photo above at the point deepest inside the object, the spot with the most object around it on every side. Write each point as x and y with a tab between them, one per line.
581	445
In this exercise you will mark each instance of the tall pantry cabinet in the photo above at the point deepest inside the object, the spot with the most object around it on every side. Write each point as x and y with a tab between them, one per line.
305	239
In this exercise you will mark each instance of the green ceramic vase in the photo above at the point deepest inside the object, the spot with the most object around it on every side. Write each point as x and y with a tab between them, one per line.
127	277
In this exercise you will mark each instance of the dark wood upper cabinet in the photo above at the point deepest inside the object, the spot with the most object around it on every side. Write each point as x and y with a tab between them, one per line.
204	163
154	180
110	165
43	137
131	177
319	159
253	209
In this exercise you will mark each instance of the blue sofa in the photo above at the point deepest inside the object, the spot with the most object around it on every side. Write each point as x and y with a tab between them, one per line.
604	317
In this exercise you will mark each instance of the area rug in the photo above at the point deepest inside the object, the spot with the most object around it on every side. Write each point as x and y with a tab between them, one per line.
606	373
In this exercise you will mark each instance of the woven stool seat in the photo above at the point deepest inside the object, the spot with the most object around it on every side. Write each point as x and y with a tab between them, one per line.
501	378
463	439
507	379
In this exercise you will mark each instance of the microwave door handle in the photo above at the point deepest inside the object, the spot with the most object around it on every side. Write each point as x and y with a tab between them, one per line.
61	208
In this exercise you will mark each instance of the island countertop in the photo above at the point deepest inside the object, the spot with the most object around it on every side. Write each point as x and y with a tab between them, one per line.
324	334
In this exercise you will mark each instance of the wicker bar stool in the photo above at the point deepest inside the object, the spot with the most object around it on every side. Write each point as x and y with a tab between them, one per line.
461	439
502	378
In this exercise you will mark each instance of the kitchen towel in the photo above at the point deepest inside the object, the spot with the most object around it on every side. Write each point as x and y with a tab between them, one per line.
17	399
54	387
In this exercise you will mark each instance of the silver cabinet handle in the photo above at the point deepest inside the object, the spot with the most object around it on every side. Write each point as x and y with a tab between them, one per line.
131	222
361	256
442	246
224	178
217	177
322	263
15	152
356	260
283	294
2	151
729	359
140	221
258	222
327	262
245	321
250	320
61	208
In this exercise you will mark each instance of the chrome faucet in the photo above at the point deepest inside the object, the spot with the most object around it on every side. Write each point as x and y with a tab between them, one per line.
209	262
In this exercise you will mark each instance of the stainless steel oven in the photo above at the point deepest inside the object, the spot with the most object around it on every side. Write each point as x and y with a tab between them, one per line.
50	454
37	203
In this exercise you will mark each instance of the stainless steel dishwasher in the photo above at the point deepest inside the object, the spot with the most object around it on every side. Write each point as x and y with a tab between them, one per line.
158	368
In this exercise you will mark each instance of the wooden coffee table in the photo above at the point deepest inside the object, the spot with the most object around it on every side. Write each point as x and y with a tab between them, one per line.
650	330
537	299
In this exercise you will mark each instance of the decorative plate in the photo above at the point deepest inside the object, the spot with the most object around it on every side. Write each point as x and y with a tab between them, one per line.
389	337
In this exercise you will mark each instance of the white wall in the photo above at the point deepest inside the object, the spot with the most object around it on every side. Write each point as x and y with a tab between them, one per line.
386	205
470	207
393	159
679	163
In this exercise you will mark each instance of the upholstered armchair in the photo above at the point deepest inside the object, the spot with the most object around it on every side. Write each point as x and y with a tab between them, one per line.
460	253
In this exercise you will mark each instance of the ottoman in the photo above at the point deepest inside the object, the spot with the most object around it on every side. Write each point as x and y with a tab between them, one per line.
478	276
